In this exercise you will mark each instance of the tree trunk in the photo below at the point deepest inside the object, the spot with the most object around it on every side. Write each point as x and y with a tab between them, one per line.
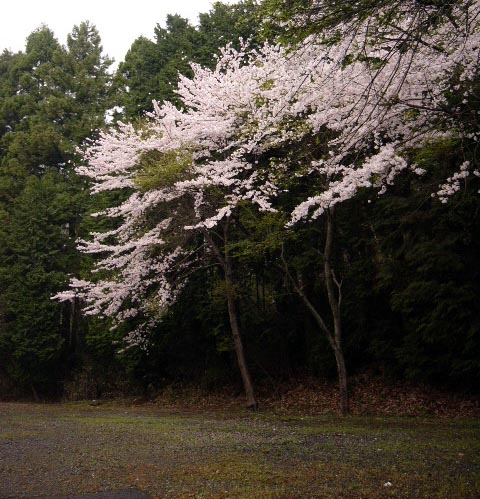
237	337
35	394
342	382
335	300
226	264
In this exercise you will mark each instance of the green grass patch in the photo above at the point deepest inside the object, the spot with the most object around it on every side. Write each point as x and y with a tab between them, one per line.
216	456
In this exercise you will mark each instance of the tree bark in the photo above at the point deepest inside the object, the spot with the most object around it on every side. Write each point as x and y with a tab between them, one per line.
237	337
334	300
225	261
342	382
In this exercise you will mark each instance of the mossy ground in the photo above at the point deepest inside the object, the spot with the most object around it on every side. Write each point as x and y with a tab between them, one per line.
75	448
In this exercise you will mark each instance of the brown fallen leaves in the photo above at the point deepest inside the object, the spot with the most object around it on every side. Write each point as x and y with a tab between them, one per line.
368	396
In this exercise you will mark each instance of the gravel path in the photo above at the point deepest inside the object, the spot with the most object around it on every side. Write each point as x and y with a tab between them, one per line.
119	494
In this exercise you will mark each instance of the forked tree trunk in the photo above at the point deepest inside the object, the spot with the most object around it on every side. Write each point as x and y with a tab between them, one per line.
334	300
226	264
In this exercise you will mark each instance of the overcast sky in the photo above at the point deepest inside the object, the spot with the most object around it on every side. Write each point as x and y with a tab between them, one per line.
118	22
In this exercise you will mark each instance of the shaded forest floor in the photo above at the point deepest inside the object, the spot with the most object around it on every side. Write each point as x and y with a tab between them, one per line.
312	397
77	448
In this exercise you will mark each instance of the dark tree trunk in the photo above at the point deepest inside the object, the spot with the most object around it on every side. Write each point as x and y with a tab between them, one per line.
237	337
342	382
226	264
334	300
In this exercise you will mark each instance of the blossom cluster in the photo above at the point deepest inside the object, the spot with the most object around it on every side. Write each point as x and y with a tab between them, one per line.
366	102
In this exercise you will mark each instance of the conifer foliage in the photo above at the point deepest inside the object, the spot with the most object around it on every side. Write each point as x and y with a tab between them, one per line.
53	97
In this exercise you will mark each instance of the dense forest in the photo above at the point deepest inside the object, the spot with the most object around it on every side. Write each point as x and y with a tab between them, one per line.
287	189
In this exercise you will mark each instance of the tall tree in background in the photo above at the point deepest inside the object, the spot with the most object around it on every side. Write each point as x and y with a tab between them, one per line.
226	24
137	76
60	97
37	258
151	69
90	85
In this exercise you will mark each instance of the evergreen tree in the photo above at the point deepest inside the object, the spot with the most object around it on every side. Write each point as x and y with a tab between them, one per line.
54	98
37	255
90	83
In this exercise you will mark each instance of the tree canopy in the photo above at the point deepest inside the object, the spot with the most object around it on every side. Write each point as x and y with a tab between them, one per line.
293	188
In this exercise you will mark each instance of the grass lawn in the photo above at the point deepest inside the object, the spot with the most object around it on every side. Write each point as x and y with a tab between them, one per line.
77	448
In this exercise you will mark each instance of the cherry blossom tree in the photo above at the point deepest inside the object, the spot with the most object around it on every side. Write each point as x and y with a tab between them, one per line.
188	171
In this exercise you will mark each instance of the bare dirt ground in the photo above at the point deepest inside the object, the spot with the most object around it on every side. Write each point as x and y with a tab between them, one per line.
76	448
